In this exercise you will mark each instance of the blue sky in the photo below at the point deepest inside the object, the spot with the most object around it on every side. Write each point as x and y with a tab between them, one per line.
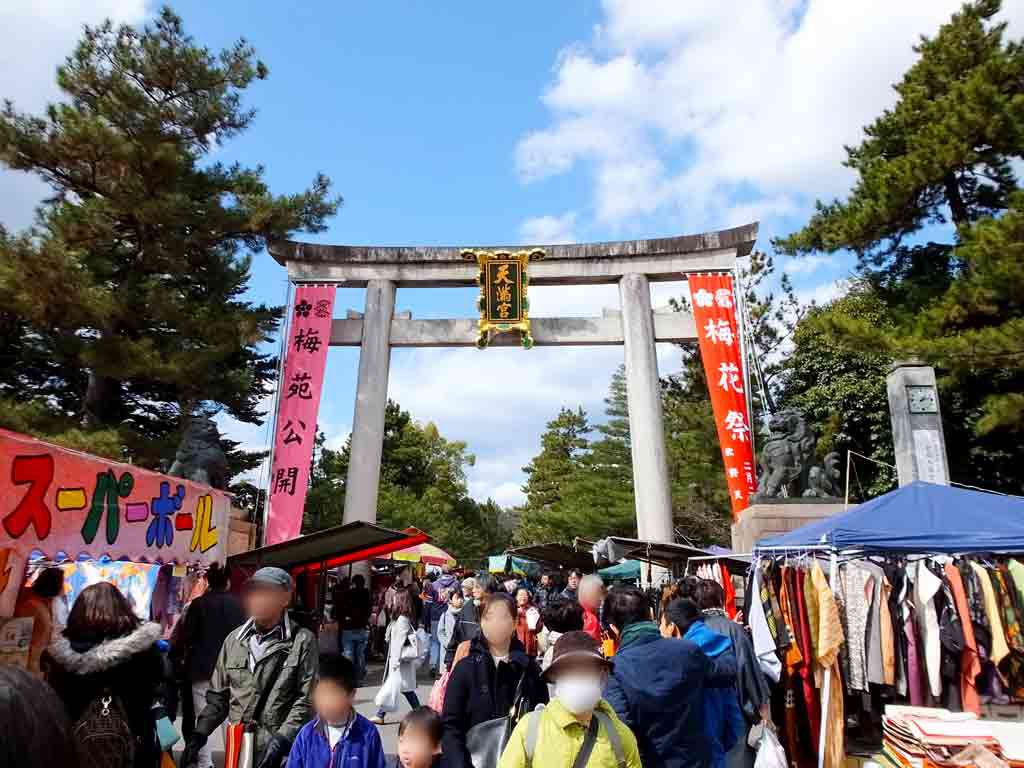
533	121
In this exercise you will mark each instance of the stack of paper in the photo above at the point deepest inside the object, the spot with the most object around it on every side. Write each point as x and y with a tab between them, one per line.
916	737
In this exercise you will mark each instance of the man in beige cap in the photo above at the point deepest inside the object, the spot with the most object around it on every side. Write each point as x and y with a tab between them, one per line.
249	682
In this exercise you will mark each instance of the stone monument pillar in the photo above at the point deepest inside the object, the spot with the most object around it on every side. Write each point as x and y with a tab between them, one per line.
917	437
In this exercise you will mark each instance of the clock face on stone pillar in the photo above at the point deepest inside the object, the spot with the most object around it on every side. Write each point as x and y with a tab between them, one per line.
922	399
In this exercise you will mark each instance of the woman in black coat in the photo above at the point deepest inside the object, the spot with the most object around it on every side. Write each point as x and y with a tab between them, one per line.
106	648
483	686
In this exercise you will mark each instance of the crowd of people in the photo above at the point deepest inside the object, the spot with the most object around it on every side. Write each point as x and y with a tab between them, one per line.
526	674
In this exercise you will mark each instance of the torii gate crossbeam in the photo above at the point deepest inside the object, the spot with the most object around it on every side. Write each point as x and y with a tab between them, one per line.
631	264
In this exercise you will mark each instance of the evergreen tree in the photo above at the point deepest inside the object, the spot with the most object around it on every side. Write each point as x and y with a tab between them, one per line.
942	154
563	441
422	485
841	390
580	488
122	312
701	508
939	165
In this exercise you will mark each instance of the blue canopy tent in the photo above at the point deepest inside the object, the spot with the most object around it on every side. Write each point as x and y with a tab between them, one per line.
920	517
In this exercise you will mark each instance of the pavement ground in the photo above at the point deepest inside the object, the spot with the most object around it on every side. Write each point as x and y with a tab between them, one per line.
364	706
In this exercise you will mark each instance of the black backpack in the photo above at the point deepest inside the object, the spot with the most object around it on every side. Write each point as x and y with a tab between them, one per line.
102	734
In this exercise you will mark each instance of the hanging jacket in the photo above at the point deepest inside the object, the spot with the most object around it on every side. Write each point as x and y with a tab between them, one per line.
479	690
751	685
723	719
130	667
360	747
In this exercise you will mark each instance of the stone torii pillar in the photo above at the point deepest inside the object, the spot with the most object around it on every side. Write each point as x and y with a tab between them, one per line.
363	481
651	490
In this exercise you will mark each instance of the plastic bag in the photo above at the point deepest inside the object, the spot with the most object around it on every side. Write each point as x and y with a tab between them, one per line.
770	753
389	693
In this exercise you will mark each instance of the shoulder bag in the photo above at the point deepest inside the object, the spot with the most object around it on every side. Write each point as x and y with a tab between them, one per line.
486	741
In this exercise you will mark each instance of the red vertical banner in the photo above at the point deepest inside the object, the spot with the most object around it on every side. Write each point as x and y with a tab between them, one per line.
714	310
305	359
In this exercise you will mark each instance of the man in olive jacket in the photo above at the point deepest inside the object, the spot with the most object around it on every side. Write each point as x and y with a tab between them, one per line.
263	675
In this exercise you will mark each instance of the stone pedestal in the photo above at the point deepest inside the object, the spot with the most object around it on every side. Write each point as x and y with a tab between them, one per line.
764	519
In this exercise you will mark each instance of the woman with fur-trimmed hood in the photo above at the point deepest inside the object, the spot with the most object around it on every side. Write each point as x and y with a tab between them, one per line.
105	648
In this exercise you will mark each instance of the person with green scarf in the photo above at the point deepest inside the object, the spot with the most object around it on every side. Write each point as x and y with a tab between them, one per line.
657	685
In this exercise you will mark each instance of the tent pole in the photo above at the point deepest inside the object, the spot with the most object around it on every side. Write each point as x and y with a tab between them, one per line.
846	499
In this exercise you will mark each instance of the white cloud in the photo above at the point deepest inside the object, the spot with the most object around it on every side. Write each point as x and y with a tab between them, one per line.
38	36
547	230
805	265
719	110
499	399
823	293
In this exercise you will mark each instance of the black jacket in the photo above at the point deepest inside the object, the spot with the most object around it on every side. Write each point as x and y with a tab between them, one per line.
478	691
751	687
130	667
467	627
209	619
354	612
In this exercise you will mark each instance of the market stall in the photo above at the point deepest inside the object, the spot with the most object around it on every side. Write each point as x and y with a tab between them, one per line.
911	597
310	558
103	519
556	556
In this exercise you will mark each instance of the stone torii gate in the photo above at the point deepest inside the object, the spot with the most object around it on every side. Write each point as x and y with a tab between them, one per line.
632	264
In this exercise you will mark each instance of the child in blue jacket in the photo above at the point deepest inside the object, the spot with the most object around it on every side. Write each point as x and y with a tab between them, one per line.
338	737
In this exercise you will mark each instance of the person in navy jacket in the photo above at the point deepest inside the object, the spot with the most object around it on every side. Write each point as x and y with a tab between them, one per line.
338	737
657	685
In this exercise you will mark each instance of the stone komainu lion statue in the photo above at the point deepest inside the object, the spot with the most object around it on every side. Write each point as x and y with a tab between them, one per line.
785	461
199	457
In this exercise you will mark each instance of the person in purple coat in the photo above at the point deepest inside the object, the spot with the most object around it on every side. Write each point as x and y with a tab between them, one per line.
338	737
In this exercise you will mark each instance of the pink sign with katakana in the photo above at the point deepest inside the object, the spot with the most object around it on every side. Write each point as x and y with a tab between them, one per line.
298	402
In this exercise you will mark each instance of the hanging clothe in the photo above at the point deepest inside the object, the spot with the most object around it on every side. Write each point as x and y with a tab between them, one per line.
874	655
830	640
970	665
856	590
760	630
811	700
730	591
998	637
926	586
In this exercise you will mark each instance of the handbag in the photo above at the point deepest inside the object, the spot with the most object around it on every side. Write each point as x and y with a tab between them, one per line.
486	741
411	648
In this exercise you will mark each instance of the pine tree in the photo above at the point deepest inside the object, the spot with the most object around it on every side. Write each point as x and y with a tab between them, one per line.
940	162
942	154
123	314
841	390
701	508
563	441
